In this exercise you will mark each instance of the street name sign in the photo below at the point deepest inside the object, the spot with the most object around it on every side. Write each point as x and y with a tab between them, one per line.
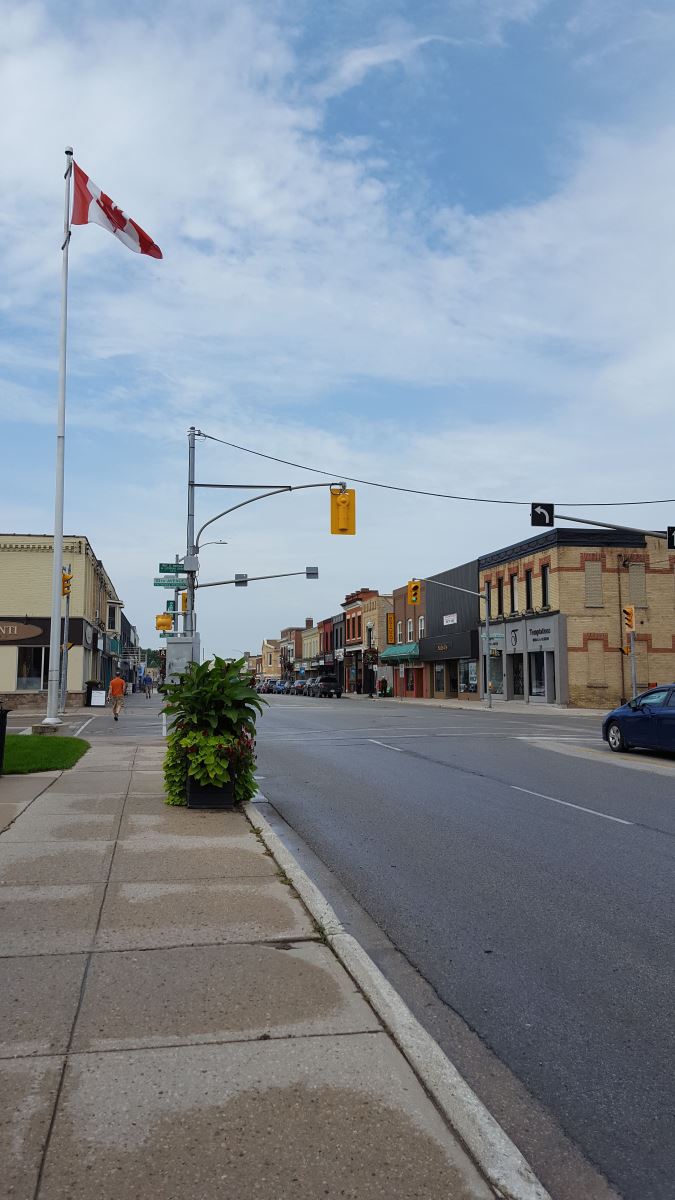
168	568
170	581
541	514
671	537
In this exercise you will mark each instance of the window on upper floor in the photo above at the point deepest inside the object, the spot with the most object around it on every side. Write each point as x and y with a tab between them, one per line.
528	590
358	628
513	591
399	633
637	584
593	585
410	634
488	593
112	616
545	590
500	597
420	627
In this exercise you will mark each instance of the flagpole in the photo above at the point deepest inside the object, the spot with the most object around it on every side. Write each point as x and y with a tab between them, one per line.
52	717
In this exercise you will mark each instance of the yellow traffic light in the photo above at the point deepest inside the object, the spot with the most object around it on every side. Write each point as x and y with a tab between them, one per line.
164	621
414	589
66	582
183	602
629	618
343	511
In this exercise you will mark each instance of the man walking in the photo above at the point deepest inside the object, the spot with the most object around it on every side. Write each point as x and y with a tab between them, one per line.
116	694
147	683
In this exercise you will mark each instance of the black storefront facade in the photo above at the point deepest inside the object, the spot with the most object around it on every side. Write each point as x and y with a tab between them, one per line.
449	651
24	658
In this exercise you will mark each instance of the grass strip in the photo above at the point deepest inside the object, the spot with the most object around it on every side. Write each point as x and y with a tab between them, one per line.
41	752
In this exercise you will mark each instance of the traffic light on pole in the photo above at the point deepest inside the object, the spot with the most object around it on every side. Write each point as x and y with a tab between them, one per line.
66	582
183	602
343	511
414	589
629	618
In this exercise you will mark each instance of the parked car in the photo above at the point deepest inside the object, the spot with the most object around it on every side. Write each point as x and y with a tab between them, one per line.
326	685
279	687
298	687
648	721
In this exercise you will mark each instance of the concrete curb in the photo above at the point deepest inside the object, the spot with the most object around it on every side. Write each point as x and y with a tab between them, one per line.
493	1151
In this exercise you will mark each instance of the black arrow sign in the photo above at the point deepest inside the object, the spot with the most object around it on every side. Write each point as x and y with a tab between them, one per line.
541	514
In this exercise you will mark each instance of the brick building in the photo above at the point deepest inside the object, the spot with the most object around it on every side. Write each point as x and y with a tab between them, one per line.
94	632
410	679
556	616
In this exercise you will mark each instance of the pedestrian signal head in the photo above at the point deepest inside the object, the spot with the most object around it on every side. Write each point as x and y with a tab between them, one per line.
164	621
66	583
343	511
414	589
629	617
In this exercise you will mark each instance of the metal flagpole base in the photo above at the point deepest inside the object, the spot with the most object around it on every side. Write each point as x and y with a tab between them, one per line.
51	721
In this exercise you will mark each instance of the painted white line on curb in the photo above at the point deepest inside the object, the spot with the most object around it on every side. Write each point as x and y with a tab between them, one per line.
79	731
375	742
580	808
492	1149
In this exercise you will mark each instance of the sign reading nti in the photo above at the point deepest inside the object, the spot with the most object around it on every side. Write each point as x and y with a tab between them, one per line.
170	581
541	514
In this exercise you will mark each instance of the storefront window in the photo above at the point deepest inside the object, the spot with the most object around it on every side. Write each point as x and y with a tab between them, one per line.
439	679
496	676
32	669
537	685
410	680
468	675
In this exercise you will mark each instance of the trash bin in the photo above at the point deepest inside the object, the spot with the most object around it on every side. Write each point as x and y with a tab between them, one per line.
4	712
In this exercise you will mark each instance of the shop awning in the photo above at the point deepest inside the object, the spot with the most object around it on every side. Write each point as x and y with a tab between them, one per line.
402	653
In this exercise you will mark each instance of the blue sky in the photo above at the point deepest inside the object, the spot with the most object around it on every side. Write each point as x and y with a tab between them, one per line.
428	243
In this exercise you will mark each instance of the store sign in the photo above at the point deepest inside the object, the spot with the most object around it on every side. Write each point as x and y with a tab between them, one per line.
390	629
16	631
541	636
450	619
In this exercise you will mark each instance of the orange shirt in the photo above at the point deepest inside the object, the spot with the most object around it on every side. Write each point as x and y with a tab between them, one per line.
117	687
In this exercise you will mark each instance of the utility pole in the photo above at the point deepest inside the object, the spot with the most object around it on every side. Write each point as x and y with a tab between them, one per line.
486	597
175	600
190	618
633	663
64	652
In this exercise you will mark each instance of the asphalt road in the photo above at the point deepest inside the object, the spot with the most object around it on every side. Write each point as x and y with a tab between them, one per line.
528	878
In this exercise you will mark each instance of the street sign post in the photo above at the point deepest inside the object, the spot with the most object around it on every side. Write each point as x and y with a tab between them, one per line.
170	581
541	514
671	537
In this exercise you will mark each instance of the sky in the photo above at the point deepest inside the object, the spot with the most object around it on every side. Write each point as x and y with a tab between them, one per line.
426	243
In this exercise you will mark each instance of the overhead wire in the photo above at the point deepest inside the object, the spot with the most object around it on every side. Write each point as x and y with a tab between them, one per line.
393	487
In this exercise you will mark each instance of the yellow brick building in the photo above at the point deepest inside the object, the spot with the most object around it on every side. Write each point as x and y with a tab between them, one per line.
556	605
25	607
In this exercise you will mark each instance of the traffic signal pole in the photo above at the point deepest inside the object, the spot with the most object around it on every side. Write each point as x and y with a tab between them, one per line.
63	690
633	663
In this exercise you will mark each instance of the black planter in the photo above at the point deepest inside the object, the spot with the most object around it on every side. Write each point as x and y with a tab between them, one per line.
207	795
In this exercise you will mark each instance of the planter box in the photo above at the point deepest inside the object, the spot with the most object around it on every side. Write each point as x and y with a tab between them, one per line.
206	795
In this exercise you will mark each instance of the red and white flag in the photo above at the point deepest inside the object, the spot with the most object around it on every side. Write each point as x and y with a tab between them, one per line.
91	204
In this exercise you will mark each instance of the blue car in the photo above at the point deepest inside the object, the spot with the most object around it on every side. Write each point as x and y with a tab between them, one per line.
647	721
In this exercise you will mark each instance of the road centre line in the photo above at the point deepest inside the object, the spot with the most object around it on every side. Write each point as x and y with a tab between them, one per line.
385	746
593	811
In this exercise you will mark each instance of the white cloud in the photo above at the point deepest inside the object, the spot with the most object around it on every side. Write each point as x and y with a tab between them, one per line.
354	66
295	281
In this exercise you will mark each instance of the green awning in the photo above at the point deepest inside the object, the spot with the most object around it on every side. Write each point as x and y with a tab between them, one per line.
400	653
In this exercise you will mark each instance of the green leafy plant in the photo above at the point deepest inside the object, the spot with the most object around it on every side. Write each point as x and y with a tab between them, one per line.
213	735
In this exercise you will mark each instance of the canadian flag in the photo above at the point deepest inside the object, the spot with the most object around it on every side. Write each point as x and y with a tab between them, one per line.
91	204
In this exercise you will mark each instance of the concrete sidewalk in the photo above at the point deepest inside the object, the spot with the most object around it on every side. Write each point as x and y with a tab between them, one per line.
172	1025
504	707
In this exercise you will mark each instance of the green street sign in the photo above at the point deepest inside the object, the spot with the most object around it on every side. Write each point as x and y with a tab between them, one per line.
168	633
168	568
171	581
171	606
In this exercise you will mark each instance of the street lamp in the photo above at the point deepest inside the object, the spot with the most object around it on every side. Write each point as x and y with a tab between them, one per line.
220	542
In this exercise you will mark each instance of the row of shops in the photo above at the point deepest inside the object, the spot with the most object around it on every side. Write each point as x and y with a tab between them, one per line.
556	626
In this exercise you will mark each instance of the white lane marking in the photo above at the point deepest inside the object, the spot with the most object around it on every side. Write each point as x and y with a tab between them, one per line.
553	737
384	744
593	811
79	731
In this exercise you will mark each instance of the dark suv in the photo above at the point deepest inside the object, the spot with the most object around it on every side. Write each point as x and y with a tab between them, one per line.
326	685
